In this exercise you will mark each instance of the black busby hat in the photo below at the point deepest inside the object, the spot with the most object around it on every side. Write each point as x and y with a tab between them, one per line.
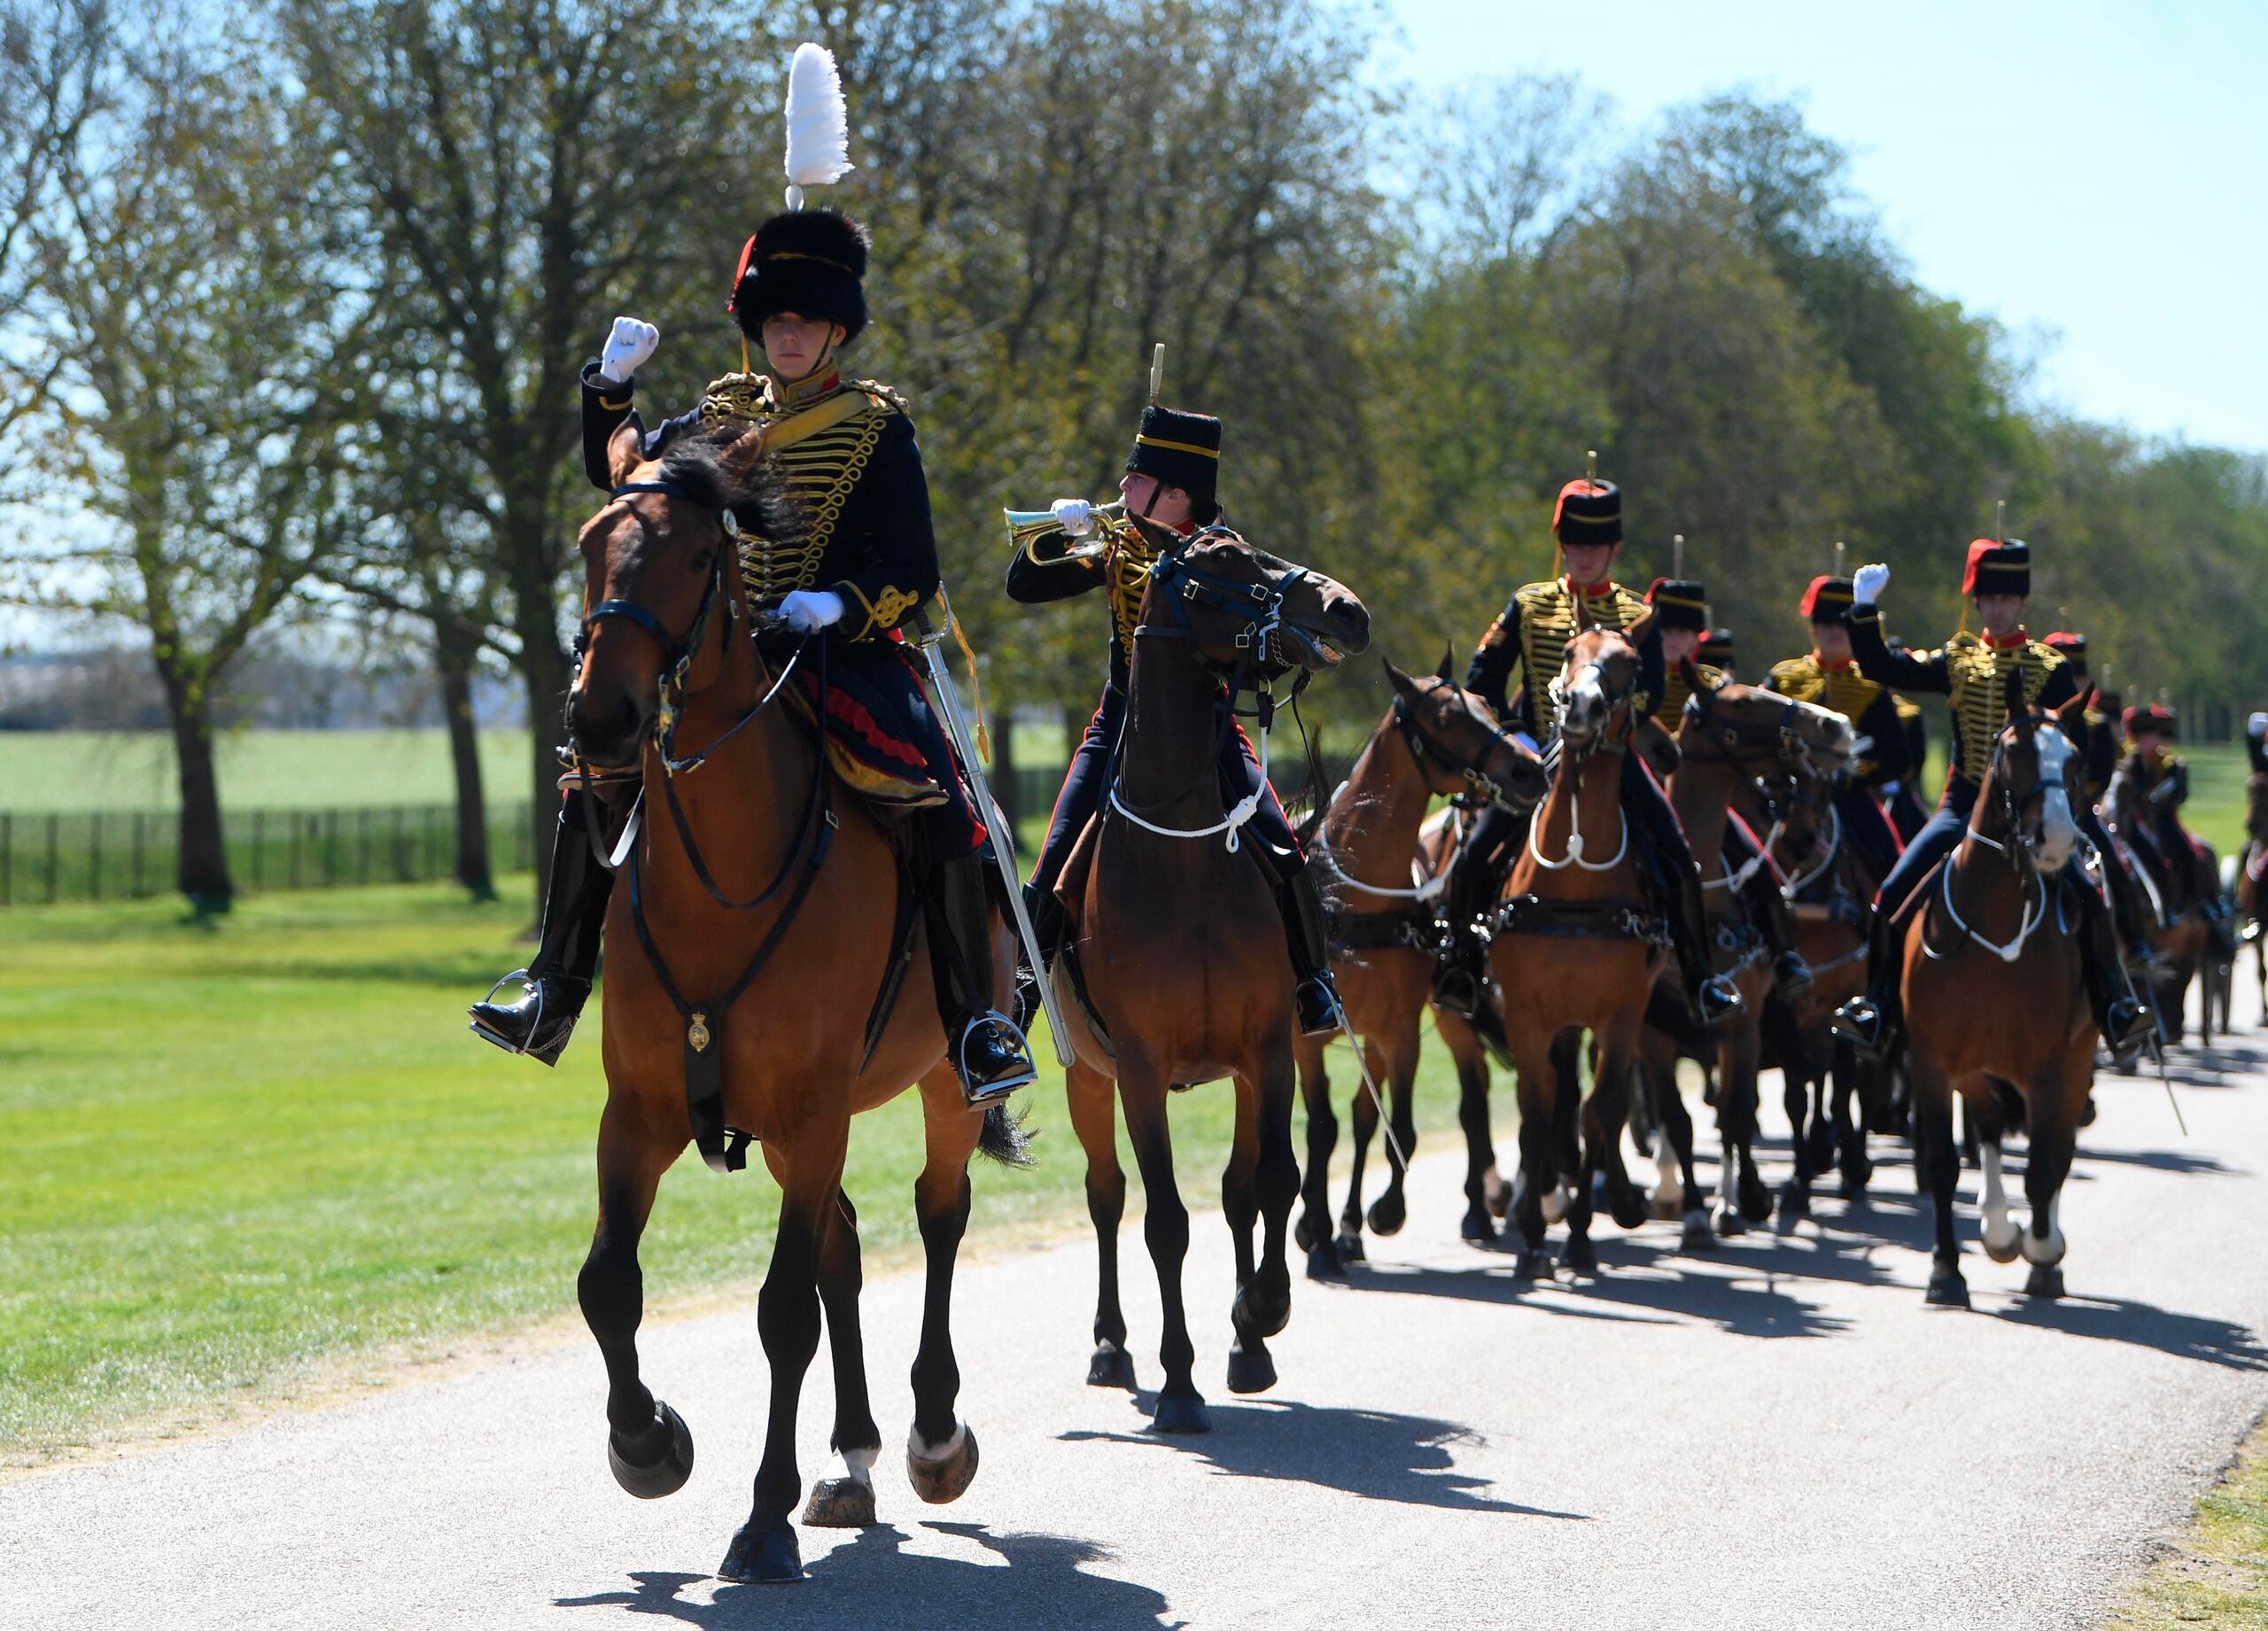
1996	568
1181	450
804	261
1589	511
1828	600
1717	647
1679	603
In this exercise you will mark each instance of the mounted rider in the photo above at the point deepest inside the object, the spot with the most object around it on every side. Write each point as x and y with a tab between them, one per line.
1972	672
1829	675
1530	638
2146	794
2098	760
855	572
1171	480
1681	615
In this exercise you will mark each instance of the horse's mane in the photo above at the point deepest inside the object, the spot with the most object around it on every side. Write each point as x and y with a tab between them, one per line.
752	489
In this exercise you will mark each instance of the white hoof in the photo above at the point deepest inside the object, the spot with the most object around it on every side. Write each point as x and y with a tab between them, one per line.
1999	1233
2044	1253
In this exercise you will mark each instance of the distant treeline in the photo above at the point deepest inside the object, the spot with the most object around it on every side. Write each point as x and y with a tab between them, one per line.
295	294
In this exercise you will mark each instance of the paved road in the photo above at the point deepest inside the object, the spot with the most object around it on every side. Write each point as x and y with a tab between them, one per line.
1779	1434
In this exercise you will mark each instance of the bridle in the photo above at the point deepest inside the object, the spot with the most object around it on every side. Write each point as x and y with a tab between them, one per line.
1738	742
1480	788
2021	848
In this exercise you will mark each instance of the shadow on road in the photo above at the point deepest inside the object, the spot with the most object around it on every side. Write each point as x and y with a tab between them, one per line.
1378	1454
2120	1319
873	1580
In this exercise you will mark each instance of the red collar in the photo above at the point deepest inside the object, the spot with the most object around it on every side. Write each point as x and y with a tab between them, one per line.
1588	591
1833	665
2008	642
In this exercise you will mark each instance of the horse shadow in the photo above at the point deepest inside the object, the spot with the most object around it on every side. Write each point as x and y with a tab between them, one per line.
873	1580
1382	1454
2121	1319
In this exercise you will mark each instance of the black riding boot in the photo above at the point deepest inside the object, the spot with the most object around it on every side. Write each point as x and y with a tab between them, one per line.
558	979
1050	924
987	1048
1315	996
1461	975
1776	918
1870	1022
1710	995
2121	1016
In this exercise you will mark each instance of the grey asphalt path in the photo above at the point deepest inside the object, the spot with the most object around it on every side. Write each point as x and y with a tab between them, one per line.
1776	1434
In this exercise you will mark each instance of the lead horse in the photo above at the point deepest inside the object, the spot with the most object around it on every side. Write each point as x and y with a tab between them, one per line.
1177	966
766	920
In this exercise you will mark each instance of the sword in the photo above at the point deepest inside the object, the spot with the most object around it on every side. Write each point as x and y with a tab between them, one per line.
941	682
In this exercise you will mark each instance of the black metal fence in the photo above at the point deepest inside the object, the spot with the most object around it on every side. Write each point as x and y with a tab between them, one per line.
128	855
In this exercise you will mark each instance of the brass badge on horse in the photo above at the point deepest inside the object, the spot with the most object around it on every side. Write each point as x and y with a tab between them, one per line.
696	1034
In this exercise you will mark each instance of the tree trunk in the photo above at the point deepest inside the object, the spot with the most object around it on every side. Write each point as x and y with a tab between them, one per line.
545	672
203	875
1004	770
454	655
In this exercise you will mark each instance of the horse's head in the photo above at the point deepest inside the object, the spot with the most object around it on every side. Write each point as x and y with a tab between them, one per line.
1244	609
1458	745
1592	691
1763	733
661	588
2027	777
2256	806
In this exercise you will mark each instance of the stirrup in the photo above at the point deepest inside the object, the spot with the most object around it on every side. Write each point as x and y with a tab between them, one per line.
1312	1022
1019	1073
2127	1026
1458	990
1859	1022
1792	977
489	1033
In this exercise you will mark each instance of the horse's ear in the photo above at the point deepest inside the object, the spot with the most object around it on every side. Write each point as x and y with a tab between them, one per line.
2013	695
2072	715
739	456
1641	629
1404	685
1448	658
1689	672
624	450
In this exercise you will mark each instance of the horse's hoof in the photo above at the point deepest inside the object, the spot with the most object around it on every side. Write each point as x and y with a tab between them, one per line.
1696	1236
659	1461
1262	1307
1667	1204
1795	1202
1111	1366
2087	1115
1476	1228
943	1477
1947	1290
1181	1413
1643	1143
1324	1264
1755	1199
840	1503
1387	1215
1348	1246
2004	1250
2045	1282
1498	1194
1251	1369
1729	1222
1303	1234
1534	1265
763	1554
1581	1258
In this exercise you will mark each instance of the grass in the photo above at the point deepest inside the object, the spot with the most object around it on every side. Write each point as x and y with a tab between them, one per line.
241	1153
2218	1573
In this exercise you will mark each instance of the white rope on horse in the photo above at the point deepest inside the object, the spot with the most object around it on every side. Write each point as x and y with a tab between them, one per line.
2030	919
1229	824
1427	888
1738	880
1574	856
1797	886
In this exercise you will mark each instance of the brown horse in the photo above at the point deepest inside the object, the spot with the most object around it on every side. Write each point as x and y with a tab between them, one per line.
770	1003
1997	1002
1179	949
2248	885
1731	734
1573	951
1436	741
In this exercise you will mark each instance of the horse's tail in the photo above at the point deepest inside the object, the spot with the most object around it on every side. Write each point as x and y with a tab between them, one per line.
1003	1138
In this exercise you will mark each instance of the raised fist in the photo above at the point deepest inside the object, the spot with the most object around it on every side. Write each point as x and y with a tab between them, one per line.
627	346
1869	582
1075	516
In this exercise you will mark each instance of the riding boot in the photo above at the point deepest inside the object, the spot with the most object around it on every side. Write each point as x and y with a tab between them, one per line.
987	1047
2121	1016
1315	995
1461	975
1708	993
1776	918
1050	924
1870	1022
558	978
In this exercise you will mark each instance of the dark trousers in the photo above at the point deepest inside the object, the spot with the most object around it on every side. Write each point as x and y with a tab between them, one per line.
1866	828
1940	837
1907	813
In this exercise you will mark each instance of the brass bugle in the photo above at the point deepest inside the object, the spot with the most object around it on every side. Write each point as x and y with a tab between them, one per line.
1026	525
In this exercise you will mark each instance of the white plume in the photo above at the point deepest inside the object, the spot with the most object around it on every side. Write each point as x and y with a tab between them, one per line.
819	123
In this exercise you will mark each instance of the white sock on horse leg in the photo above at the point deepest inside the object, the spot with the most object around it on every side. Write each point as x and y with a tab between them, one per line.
1998	1228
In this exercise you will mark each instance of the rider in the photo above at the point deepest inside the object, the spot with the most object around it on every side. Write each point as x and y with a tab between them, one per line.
2146	791
1971	673
1682	613
1171	479
1830	677
1716	649
1531	635
2098	758
857	570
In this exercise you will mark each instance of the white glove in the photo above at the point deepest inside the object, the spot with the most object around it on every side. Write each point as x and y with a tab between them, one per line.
808	611
627	346
1075	516
2257	725
1868	583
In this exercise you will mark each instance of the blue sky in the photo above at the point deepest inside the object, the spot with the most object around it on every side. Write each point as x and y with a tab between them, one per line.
2090	173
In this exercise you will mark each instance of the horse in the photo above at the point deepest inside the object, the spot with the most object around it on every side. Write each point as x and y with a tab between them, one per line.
1551	991
756	937
2243	879
1997	1009
1731	734
1436	741
1177	969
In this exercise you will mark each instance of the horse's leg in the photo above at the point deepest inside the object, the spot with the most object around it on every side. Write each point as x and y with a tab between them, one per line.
1395	1063
1364	1112
1741	1199
941	1450
1996	1231
1746	1092
844	1499
1251	1371
1094	1118
1264	1298
809	1168
1539	1171
2050	1141
1797	1089
1484	1190
1938	1162
648	1445
1165	1227
1313	1232
1606	1116
1566	1122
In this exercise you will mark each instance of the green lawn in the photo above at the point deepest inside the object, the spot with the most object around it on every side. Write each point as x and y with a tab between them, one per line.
2218	1573
241	1151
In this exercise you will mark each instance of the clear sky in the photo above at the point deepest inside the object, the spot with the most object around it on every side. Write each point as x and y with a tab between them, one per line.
2094	172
